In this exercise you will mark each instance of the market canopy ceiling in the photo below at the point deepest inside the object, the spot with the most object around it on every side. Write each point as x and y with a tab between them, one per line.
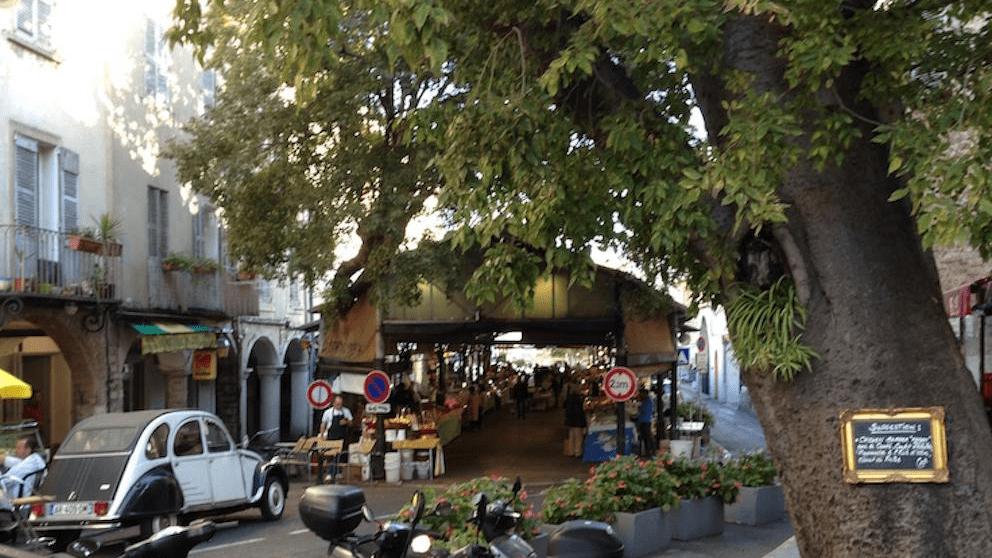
561	315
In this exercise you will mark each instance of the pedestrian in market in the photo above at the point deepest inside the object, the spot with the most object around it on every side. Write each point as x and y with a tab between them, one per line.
520	395
474	408
645	414
575	418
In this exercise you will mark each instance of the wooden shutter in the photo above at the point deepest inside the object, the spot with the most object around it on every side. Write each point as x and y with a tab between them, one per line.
26	178
151	57
69	177
43	19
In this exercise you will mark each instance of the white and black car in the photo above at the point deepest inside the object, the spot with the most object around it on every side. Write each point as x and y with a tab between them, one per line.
151	469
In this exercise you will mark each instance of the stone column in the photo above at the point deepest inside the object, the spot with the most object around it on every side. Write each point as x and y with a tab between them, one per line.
299	406
174	366
269	375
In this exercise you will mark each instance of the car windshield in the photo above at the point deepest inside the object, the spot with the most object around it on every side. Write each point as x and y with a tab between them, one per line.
96	440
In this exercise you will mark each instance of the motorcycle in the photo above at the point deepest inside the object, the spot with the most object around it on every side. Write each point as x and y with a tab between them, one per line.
172	542
334	512
497	521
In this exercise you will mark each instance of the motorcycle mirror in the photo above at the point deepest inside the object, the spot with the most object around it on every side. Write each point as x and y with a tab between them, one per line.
442	508
367	513
83	548
418	506
517	485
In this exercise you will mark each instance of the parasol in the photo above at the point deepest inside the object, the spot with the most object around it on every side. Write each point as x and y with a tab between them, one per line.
12	387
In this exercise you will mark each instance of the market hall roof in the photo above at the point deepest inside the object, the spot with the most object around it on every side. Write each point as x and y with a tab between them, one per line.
562	314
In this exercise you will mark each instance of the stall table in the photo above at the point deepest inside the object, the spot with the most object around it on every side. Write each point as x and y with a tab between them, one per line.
601	441
449	426
430	443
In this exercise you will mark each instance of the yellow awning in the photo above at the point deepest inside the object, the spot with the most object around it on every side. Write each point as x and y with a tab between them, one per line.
12	387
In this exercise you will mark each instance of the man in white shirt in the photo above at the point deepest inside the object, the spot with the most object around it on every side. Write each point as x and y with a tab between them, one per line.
20	469
335	421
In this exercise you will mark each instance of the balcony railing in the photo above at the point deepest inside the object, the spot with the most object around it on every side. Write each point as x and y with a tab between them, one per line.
51	263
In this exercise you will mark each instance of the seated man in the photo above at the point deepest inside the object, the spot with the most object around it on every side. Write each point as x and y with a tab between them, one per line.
19	470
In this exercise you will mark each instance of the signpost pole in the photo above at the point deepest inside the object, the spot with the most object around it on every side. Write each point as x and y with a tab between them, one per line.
621	423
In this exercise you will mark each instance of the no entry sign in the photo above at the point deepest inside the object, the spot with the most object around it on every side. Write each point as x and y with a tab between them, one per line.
319	394
620	384
377	386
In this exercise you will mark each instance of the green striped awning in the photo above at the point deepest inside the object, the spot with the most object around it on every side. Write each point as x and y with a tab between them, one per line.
164	337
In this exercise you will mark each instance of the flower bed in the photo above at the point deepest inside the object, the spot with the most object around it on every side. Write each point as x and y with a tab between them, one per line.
454	526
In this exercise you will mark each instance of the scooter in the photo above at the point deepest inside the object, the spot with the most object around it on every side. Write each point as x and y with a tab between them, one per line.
333	512
573	539
172	542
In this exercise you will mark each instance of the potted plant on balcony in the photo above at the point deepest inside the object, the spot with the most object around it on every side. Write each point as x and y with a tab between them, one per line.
177	262
84	240
205	265
108	229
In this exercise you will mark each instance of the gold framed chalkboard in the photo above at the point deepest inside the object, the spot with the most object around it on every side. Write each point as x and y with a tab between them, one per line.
894	445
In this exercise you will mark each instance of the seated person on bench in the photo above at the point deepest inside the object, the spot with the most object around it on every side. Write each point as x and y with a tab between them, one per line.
19	470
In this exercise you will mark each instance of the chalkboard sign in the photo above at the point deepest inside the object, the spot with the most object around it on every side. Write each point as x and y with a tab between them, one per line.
894	445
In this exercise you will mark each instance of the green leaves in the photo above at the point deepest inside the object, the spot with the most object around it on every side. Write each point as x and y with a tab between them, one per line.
766	327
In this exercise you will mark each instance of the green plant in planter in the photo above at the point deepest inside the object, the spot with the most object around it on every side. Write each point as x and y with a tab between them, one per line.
454	526
107	228
206	265
755	469
177	261
696	412
626	484
702	479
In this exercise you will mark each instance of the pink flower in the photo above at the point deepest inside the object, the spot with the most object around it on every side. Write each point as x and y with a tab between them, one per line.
622	484
613	474
703	466
523	494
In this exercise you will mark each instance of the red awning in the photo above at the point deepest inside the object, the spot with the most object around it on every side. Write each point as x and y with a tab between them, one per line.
959	302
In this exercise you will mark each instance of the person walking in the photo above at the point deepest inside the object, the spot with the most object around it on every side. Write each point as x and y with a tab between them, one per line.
645	414
575	419
520	395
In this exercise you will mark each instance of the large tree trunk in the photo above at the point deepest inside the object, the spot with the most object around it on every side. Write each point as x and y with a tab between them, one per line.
877	321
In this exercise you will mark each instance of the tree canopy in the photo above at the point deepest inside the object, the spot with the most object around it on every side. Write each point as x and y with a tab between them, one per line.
841	140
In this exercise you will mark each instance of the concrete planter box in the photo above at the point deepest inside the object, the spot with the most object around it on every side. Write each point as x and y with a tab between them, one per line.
697	518
644	533
540	543
756	505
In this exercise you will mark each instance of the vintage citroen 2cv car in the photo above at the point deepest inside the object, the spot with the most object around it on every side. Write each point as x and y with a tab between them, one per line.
152	469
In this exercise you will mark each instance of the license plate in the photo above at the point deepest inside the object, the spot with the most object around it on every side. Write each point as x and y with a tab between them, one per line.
70	508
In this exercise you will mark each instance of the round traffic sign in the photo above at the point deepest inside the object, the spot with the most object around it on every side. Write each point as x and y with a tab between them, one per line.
377	386
620	384
319	394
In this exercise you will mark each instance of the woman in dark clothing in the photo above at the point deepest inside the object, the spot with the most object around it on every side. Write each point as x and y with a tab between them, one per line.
575	419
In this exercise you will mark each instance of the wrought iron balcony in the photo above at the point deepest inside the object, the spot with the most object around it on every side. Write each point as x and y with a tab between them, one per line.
51	263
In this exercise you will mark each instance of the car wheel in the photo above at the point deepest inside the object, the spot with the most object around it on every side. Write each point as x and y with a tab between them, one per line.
157	523
273	499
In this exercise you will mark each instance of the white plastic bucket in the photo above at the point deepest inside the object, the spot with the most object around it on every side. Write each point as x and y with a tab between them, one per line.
406	464
392	463
681	448
423	469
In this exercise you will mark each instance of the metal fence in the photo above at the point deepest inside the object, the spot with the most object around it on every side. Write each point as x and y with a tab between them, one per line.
41	261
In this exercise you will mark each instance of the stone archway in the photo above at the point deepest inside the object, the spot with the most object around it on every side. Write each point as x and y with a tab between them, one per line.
78	364
260	384
294	408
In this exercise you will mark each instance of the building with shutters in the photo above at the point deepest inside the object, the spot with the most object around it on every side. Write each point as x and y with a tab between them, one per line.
89	94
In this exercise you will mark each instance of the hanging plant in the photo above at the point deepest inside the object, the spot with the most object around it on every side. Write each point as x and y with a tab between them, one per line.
766	326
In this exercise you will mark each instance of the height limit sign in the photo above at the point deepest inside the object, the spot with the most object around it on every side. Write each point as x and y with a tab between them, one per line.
620	384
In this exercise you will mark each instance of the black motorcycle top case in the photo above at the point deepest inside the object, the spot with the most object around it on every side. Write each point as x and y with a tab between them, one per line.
331	510
580	538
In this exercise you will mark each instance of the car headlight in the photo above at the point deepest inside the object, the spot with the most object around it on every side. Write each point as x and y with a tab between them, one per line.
421	544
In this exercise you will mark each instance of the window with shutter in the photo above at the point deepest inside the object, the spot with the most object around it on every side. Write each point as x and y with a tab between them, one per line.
69	176
34	22
156	63
208	88
158	222
26	177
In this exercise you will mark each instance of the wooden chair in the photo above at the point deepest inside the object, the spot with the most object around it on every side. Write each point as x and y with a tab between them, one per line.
299	454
